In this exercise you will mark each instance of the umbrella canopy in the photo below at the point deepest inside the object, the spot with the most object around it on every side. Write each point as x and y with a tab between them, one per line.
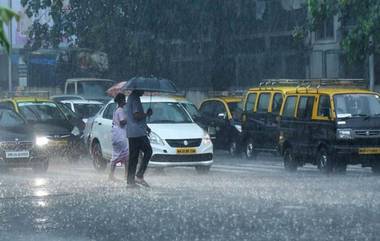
116	89
150	84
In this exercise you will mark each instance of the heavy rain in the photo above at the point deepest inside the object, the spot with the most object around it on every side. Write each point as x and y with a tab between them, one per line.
189	120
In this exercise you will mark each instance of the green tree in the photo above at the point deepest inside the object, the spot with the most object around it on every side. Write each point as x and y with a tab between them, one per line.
360	22
6	15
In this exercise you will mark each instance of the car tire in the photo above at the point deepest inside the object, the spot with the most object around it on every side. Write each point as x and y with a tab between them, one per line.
202	169
249	152
324	161
290	163
233	148
41	167
100	164
376	169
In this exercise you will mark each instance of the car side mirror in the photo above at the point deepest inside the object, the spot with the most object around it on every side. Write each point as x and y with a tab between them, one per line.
222	116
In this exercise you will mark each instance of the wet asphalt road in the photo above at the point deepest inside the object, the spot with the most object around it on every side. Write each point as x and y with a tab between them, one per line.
237	200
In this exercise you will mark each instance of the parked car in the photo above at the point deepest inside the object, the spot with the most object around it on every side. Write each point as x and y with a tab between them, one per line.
59	98
331	127
261	109
222	117
89	88
176	139
45	117
20	146
84	108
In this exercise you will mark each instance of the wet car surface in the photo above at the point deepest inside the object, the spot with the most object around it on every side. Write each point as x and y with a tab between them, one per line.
237	200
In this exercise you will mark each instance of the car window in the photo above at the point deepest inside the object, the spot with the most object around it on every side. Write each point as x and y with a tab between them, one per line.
7	105
305	107
263	103
290	106
219	108
9	119
192	109
277	102
40	111
251	101
70	88
110	109
167	113
68	105
324	106
206	108
87	110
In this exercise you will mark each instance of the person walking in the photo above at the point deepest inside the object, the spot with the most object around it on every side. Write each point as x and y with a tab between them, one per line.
120	151
137	131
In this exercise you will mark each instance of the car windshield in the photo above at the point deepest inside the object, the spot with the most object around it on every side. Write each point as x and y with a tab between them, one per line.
40	111
191	109
94	89
9	119
353	105
87	110
167	112
67	111
236	110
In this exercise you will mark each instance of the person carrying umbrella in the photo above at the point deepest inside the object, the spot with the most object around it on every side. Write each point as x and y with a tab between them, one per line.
137	128
137	131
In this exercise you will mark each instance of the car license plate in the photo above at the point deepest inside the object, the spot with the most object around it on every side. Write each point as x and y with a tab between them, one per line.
186	151
369	150
17	154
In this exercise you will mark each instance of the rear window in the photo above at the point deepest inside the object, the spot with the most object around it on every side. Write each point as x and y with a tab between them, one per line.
305	107
263	103
290	106
277	102
251	101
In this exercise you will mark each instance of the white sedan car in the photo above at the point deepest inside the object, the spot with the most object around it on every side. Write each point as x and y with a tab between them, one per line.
176	139
85	108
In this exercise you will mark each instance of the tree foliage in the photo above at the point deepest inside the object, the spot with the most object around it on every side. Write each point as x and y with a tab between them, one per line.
6	15
360	24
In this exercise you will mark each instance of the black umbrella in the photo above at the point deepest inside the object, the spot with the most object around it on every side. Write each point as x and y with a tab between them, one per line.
150	84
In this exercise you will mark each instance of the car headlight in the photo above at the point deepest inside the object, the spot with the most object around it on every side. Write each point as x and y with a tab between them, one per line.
41	141
155	139
206	139
238	127
75	131
344	134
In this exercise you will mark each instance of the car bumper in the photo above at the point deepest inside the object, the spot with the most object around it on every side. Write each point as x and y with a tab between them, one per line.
166	156
365	155
22	162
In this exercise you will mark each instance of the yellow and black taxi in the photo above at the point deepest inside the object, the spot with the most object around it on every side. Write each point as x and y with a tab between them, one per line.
221	116
261	109
61	135
331	124
19	145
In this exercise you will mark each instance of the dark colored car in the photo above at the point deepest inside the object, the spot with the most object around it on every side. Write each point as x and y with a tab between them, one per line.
20	145
63	134
260	126
331	128
222	117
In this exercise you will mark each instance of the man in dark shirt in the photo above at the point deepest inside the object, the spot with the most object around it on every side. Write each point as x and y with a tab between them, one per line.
137	131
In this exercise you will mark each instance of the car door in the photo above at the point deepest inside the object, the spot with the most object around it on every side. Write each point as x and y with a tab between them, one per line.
303	124
207	119
261	137
248	121
102	129
221	123
273	131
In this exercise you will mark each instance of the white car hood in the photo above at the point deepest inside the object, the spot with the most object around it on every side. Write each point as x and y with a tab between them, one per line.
177	131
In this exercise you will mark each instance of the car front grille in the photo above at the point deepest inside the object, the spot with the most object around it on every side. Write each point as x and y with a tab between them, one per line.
16	146
182	158
184	142
367	133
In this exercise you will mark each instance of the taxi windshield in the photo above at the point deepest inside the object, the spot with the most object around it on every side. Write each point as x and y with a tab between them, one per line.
40	111
356	105
167	112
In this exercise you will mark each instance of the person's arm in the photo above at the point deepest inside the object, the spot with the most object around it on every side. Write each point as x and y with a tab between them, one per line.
138	112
